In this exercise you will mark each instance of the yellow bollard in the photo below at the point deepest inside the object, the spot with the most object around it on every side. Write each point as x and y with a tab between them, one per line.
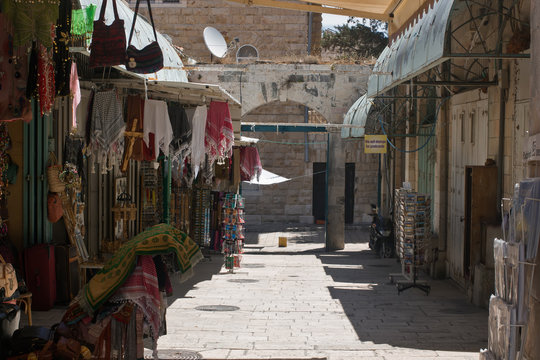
282	241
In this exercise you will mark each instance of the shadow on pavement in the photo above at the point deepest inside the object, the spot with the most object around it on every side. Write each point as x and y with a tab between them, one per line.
203	271
444	320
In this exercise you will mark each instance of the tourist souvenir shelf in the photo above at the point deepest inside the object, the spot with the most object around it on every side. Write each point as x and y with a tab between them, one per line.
233	230
151	195
182	198
412	228
201	217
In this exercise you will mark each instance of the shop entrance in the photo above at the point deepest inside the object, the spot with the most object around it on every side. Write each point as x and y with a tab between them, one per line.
319	191
349	192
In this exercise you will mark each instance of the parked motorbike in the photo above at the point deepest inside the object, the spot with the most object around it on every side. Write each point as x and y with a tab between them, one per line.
381	237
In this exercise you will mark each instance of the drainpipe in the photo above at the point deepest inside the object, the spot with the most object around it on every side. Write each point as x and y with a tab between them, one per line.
306	110
502	112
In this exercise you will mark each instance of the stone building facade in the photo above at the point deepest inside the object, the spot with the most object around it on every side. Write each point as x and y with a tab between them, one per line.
278	90
276	33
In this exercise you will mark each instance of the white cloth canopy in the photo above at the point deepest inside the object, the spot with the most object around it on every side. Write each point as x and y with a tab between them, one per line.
267	178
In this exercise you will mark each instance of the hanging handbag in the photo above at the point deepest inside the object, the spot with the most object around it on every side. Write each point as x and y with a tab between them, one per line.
150	58
108	46
54	207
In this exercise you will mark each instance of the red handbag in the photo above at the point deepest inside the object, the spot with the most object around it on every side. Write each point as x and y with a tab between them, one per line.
108	46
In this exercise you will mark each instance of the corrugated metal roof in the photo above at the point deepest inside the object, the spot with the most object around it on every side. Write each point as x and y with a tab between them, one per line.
144	35
419	48
357	115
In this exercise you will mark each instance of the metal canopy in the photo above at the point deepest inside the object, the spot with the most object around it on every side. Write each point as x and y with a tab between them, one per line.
466	34
357	115
419	48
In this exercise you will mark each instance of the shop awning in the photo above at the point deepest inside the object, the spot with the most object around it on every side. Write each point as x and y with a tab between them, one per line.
419	48
142	36
357	115
268	178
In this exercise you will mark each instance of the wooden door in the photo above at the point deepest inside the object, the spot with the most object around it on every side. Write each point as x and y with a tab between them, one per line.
319	191
469	142
480	208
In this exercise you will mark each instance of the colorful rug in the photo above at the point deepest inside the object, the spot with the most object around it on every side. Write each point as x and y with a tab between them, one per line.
158	239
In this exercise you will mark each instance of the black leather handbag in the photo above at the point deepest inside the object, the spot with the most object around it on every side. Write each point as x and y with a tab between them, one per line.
150	58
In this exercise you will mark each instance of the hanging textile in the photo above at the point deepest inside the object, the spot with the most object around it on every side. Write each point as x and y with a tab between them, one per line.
181	131
62	57
158	239
32	20
250	163
198	124
14	67
46	81
219	137
75	90
106	130
142	289
156	116
82	22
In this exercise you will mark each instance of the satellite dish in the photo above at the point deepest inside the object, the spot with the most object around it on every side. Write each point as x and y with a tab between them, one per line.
215	42
247	53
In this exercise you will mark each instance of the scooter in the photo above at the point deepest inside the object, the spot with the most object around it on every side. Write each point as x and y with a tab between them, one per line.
381	234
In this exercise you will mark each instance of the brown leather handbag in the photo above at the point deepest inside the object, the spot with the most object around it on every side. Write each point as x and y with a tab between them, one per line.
108	45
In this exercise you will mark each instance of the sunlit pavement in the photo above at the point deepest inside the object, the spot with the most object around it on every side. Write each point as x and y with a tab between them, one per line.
300	302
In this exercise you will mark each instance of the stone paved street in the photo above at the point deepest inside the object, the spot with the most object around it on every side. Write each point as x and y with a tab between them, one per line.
300	302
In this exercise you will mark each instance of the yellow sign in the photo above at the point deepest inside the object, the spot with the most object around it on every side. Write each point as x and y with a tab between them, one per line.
375	144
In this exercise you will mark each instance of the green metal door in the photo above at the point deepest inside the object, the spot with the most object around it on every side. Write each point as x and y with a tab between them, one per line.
37	229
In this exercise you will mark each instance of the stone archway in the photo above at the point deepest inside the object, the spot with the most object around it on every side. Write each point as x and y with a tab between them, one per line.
328	89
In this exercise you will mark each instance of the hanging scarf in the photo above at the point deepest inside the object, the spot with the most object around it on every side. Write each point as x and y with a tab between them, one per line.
250	163
198	125
32	20
46	87
14	105
62	57
75	90
219	137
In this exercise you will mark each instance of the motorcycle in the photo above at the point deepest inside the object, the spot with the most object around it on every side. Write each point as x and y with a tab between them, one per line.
381	234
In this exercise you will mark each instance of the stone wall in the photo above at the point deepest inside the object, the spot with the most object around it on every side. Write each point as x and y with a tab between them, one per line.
275	33
284	154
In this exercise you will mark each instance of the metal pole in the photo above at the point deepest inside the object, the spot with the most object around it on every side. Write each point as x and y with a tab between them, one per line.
326	192
379	177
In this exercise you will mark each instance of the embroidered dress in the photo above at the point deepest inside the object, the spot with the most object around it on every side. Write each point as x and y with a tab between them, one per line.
156	121
219	137
46	81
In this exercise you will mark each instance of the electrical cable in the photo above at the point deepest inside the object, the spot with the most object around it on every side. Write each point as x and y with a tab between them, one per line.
432	133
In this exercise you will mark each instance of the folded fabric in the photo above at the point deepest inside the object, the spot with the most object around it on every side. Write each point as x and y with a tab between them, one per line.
156	121
250	163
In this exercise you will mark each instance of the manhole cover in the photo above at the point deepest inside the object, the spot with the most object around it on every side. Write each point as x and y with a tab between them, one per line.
294	276
217	308
177	355
243	281
253	266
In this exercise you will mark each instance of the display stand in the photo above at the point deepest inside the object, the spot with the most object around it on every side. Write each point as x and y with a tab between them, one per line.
233	230
412	225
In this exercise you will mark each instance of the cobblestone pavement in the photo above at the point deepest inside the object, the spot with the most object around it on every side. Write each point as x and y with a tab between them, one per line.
301	302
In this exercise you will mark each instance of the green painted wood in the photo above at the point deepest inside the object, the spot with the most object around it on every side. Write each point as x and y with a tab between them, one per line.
31	147
40	217
26	183
426	165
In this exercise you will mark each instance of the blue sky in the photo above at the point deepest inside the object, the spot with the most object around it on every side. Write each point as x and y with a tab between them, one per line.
330	20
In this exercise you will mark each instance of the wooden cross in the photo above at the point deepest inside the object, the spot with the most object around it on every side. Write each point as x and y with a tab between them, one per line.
131	137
